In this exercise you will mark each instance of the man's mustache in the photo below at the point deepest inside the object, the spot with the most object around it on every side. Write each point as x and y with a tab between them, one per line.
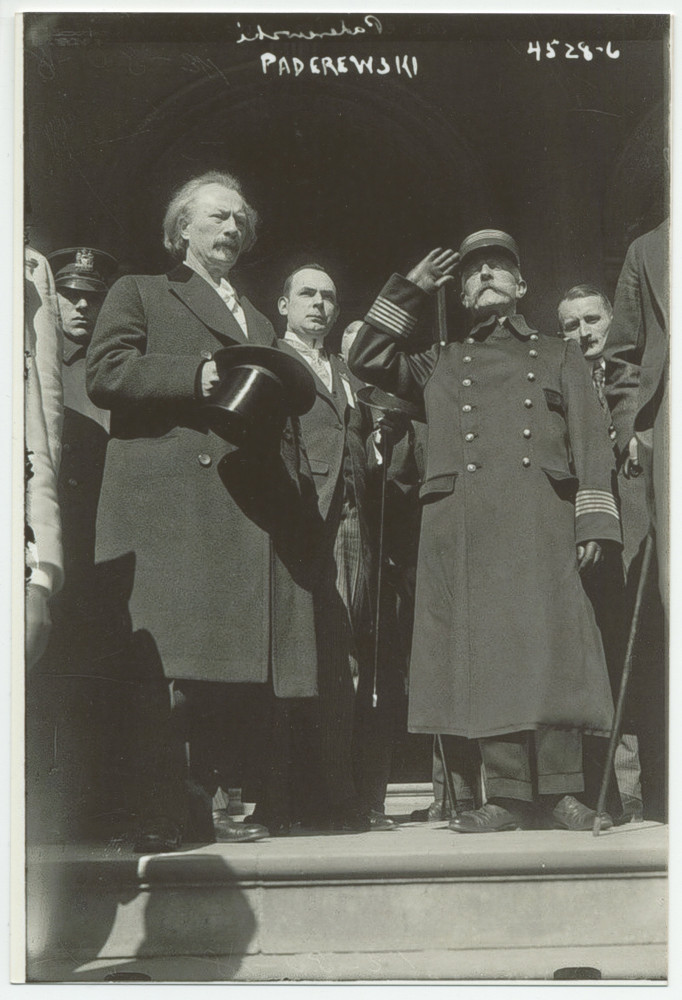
491	288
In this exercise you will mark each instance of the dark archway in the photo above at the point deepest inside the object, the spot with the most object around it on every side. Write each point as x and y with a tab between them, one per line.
329	179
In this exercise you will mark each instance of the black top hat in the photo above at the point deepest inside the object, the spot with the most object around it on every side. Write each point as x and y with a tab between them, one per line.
82	268
259	388
386	402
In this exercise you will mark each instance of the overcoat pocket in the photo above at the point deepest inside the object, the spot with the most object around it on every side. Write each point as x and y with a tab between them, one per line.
555	401
437	486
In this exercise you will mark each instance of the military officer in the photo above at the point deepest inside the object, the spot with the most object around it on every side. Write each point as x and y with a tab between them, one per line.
517	503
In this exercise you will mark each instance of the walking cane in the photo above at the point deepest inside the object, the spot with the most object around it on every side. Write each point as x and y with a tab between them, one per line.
384	448
442	324
385	403
618	713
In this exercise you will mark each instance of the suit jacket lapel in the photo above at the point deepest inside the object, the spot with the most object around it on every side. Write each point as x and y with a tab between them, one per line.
320	387
205	303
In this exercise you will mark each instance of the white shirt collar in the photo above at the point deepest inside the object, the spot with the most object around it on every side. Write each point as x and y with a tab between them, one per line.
301	344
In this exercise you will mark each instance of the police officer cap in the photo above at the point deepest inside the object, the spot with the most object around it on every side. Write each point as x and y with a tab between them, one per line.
82	268
485	238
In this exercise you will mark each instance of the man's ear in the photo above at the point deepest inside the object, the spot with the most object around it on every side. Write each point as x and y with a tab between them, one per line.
463	299
521	288
283	305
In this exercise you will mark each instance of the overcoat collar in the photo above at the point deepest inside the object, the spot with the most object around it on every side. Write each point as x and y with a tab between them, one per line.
72	352
206	304
517	322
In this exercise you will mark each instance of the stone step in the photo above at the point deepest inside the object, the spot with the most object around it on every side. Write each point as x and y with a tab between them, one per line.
415	903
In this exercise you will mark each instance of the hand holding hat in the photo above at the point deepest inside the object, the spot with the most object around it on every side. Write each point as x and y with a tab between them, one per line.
257	389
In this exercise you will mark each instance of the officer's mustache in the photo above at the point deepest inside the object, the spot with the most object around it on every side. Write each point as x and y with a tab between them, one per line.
490	288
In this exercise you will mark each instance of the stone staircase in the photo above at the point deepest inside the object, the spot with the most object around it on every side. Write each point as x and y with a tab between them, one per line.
416	903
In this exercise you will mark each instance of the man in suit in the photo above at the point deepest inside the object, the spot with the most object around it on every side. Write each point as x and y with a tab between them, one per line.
517	499
585	315
335	433
205	536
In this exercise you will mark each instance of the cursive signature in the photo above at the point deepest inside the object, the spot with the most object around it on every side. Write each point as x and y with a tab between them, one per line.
370	23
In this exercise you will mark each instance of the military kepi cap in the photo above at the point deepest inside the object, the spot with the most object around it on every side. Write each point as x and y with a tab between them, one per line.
82	268
485	238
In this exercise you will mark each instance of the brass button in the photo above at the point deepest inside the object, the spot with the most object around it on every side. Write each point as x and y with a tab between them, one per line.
469	340
528	403
525	462
466	408
207	355
204	459
66	448
526	432
466	359
73	482
534	336
531	376
466	381
469	436
471	467
533	354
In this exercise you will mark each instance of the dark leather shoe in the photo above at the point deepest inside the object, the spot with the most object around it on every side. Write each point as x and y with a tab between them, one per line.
356	821
227	831
433	814
380	821
437	812
488	819
570	814
158	836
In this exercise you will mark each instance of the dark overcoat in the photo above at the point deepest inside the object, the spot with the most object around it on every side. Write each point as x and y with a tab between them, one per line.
519	469
215	538
637	349
637	370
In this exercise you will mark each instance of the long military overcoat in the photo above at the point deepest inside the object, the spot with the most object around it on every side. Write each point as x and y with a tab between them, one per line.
211	541
518	470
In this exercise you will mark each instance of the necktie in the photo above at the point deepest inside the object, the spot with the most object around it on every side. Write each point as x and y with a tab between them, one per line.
319	364
227	294
599	381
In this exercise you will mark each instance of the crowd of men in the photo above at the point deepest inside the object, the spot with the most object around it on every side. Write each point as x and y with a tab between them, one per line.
262	543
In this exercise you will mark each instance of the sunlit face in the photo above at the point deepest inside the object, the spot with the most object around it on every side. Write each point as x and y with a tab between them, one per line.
216	228
587	321
491	283
310	307
78	311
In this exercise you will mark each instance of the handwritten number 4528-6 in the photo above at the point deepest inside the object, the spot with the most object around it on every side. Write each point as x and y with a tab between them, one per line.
581	50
